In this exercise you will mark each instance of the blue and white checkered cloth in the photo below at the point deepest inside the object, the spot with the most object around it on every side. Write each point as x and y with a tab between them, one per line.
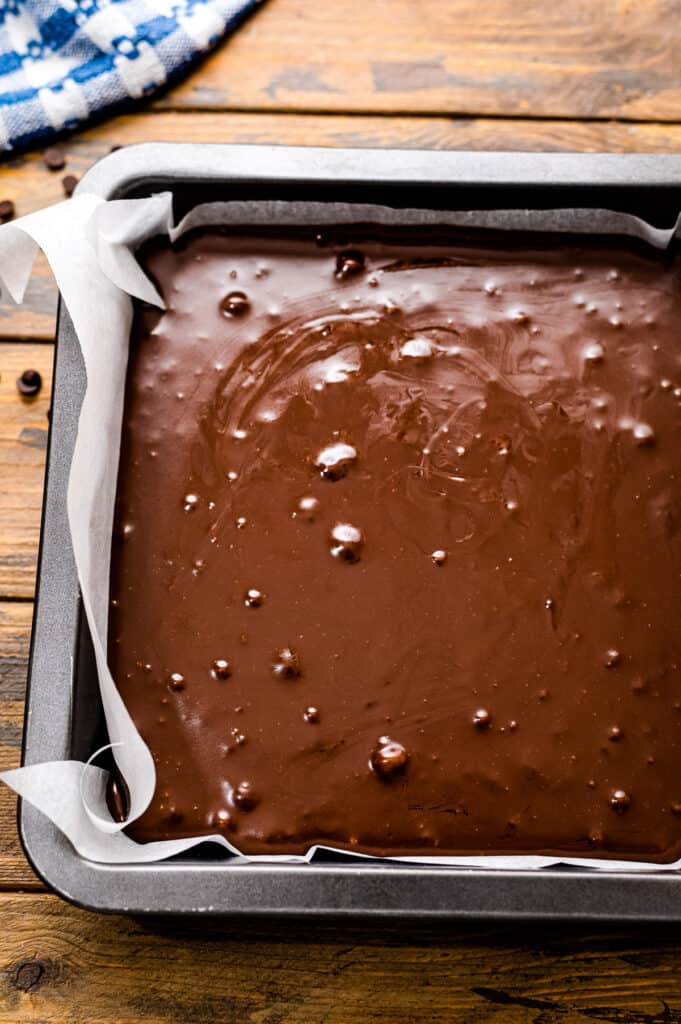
63	62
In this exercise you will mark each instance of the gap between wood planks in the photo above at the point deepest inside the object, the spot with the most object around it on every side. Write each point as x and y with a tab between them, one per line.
182	110
613	58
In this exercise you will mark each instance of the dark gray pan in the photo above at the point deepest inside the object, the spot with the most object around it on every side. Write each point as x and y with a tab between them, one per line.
64	717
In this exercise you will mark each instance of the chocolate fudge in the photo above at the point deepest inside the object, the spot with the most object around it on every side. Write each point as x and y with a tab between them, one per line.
397	554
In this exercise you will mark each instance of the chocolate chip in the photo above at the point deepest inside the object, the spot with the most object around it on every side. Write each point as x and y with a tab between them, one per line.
54	158
612	658
439	557
347	542
388	758
221	669
311	715
335	460
245	797
235	304
615	734
349	263
643	434
68	183
620	801
519	316
287	664
593	352
221	819
6	210
307	508
176	681
482	718
117	798
29	383
254	598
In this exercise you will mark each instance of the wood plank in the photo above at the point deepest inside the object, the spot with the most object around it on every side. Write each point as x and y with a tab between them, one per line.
36	317
613	58
59	963
23	440
26	180
15	630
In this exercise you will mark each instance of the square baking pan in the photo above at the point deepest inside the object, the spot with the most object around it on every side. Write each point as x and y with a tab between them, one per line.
63	712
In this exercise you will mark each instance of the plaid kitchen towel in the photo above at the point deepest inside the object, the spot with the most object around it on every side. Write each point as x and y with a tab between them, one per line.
64	61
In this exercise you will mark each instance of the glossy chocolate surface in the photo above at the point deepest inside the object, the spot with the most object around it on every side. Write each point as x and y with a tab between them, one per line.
397	562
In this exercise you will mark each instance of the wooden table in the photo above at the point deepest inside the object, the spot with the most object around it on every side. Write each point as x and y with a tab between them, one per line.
505	74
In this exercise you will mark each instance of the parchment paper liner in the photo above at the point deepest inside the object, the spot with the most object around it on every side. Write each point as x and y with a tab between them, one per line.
90	245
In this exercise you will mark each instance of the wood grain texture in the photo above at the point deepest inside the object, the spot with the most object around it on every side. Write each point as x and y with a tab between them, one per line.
31	186
23	440
15	631
480	74
58	963
610	58
36	317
